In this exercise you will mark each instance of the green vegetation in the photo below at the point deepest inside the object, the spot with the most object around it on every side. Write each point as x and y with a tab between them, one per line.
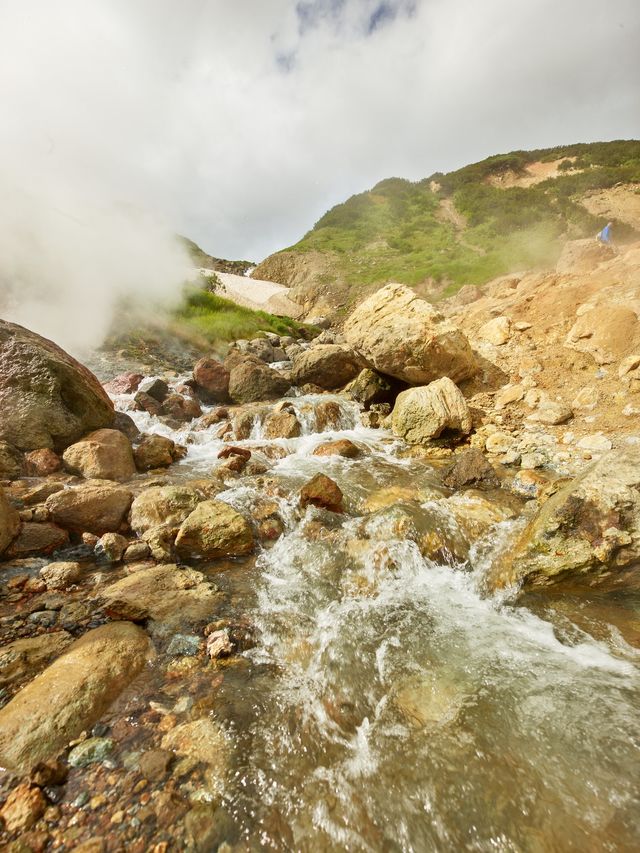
464	227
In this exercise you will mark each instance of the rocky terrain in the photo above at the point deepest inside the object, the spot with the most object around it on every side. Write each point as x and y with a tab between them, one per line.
174	548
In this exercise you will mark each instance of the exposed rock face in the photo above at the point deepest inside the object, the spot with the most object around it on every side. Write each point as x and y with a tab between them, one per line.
105	454
214	529
95	507
590	526
71	694
328	366
323	492
421	414
404	336
9	522
250	380
162	505
48	399
162	593
582	256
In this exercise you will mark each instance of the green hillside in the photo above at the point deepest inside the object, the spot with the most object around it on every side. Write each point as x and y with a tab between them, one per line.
467	226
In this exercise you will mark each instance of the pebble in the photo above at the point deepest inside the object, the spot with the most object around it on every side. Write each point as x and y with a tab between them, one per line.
184	644
94	749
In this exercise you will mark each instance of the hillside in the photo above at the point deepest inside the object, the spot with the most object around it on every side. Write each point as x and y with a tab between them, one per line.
506	213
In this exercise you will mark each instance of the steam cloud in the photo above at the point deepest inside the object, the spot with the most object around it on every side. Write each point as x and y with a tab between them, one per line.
239	123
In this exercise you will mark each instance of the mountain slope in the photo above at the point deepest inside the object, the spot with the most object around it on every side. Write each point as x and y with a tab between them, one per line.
506	213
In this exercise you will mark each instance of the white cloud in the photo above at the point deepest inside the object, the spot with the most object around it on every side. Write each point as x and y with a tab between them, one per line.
240	123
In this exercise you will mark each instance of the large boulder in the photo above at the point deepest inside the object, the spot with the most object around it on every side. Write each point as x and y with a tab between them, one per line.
328	366
423	413
250	380
71	694
48	399
105	454
9	522
162	593
214	529
37	538
162	505
97	508
590	526
405	337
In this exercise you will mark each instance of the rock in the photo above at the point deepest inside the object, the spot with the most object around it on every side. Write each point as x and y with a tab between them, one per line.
90	751
423	413
12	462
212	380
147	403
328	366
154	764
496	331
522	326
95	507
160	541
596	443
24	806
37	538
9	522
125	383
163	593
582	256
154	451
342	447
250	380
328	415
214	529
321	491
61	575
111	547
47	398
202	740
529	461
71	694
586	398
551	412
470	468
102	455
282	425
475	514
262	349
590	526
136	551
604	333
429	701
162	505
154	387
184	645
499	442
528	484
509	394
42	463
24	658
126	425
405	337
369	387
182	409
628	365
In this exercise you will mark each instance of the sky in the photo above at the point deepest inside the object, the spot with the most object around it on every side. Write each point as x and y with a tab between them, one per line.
240	122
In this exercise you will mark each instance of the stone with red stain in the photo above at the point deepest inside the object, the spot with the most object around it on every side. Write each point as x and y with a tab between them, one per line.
341	447
41	463
125	383
323	492
212	380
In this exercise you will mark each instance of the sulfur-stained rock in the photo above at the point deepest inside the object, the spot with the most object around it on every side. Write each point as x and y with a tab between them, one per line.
496	331
323	492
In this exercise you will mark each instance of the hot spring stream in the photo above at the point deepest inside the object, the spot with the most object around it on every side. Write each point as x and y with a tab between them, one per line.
388	704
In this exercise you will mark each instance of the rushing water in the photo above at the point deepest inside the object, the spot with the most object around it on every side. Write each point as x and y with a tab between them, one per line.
389	705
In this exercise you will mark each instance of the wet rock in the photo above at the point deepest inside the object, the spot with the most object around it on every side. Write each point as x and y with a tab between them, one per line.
162	505
95	507
429	701
60	575
496	331
42	463
184	645
470	468
529	484
321	491
423	413
181	409
212	380
111	547
200	739
71	694
163	593
589	528
154	764
136	551
237	458
125	424
24	806
25	658
147	403
341	447
220	645
328	415
160	542
499	442
327	365
476	515
125	383
214	529
405	337
90	751
369	387
282	425
250	380
37	538
12	462
9	522
102	455
376	417
154	451
48	399
154	387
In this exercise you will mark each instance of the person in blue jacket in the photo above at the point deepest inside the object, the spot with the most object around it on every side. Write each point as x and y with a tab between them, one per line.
605	235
